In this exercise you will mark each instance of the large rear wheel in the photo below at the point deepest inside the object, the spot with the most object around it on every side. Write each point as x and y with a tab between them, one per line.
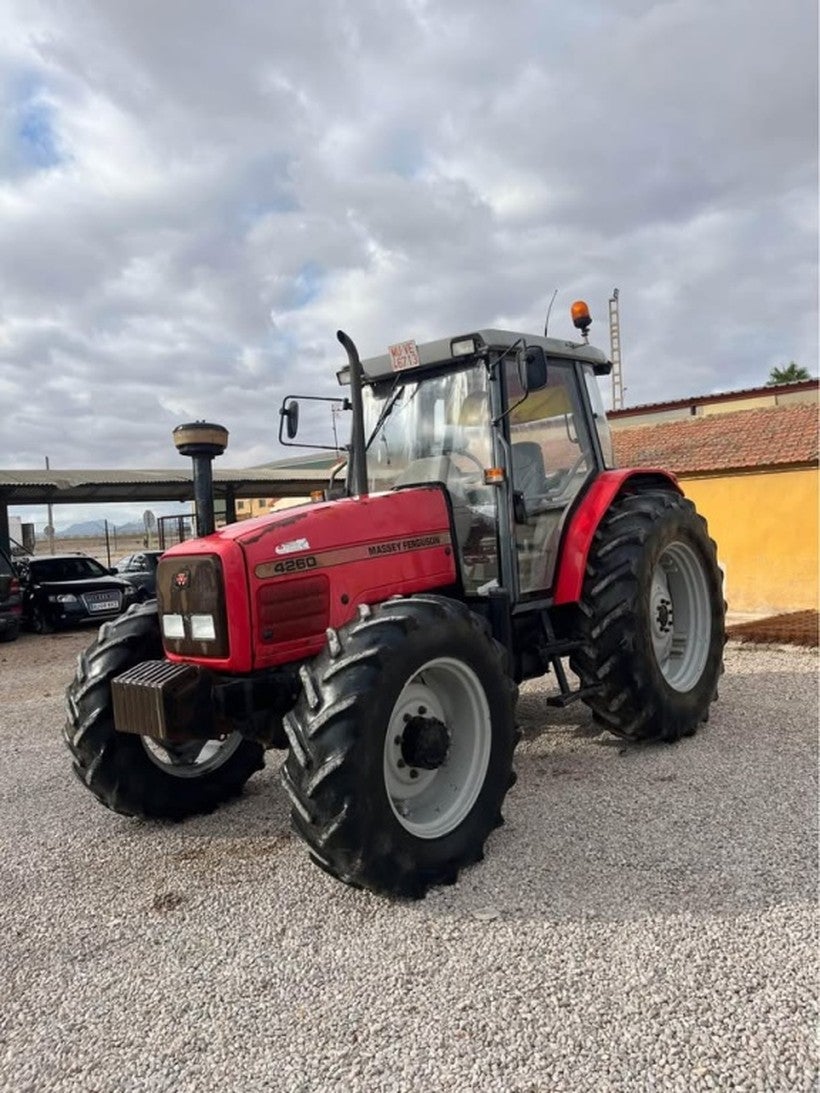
651	618
133	774
401	746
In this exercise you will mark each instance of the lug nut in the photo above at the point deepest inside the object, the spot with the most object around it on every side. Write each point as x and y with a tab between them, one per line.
422	711
414	773
401	763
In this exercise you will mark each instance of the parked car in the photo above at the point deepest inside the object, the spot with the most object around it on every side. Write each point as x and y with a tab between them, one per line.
10	599
65	589
140	570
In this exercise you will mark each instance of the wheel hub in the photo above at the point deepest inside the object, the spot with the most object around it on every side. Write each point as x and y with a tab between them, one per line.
437	748
425	742
664	616
680	615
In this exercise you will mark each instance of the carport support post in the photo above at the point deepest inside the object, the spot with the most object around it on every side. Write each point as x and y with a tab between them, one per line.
202	441
5	534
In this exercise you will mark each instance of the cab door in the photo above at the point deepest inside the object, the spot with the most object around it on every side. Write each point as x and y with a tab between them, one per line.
552	457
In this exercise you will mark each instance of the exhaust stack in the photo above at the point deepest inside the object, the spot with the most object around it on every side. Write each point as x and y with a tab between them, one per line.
357	472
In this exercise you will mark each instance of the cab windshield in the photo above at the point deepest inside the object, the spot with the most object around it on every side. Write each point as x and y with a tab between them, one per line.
437	428
427	424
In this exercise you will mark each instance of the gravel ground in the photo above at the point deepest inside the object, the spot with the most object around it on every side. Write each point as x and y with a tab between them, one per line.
645	920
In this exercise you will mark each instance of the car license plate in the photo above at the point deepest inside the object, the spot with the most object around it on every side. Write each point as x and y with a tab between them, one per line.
104	603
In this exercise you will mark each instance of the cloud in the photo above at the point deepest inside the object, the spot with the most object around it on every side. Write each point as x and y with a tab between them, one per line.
194	197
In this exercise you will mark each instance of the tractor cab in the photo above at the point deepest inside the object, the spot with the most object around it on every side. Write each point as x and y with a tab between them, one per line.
511	425
503	422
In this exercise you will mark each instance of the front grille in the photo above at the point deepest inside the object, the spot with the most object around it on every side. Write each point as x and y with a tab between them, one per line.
293	610
193	585
97	602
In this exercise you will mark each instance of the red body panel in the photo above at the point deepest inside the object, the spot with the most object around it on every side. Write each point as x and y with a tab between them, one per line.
367	548
584	523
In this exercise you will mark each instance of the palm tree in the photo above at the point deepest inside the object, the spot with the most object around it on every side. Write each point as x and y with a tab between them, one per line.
788	373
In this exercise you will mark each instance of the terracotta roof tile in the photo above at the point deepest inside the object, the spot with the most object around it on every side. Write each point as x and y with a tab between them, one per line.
774	436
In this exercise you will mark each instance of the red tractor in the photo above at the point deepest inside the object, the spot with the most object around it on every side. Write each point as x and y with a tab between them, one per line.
379	634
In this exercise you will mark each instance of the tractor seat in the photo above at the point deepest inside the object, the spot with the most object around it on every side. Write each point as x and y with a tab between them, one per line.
529	476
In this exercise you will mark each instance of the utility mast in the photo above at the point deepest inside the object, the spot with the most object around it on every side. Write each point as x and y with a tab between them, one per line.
615	352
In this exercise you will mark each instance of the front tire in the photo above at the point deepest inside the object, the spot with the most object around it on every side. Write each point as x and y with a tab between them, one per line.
131	774
401	746
651	618
40	623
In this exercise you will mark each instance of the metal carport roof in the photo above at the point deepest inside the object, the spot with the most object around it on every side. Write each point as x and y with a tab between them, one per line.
27	487
288	478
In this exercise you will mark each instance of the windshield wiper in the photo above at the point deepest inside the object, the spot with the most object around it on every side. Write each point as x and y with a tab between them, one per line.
387	409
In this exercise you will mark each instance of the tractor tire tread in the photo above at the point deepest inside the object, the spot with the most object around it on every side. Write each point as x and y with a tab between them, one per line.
628	700
320	776
115	766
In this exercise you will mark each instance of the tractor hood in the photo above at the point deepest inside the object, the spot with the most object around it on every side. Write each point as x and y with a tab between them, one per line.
273	585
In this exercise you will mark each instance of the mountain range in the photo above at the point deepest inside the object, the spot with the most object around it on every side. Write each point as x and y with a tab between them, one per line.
96	528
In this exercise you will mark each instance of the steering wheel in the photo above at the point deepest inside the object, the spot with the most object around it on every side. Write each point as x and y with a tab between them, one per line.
467	455
563	478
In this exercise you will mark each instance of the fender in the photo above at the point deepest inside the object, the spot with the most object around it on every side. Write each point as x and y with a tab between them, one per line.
585	520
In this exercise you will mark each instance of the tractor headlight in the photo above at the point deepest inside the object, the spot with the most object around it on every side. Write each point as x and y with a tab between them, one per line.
203	628
463	347
173	626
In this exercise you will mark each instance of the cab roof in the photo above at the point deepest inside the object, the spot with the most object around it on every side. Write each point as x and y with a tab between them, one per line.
440	352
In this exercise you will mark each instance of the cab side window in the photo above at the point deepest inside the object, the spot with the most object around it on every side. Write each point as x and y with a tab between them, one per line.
551	458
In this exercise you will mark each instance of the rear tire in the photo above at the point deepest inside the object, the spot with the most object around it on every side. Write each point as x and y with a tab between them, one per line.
401	746
651	618
128	773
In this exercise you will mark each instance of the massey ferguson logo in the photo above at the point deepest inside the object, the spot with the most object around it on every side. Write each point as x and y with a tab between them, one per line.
182	579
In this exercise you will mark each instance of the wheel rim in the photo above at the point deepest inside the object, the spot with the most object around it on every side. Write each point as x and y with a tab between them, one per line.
191	760
446	700
680	616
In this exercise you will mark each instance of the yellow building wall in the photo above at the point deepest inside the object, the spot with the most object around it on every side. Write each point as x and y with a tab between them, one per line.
728	407
253	506
766	527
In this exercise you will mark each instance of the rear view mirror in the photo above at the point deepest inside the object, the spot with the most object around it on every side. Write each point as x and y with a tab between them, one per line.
532	367
320	420
290	418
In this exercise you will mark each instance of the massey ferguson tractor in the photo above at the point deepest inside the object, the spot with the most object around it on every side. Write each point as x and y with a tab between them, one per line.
479	536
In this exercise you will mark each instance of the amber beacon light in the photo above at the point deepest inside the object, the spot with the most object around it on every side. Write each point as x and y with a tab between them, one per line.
581	317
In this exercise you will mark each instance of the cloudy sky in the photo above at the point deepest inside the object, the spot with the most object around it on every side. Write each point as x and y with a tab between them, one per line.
195	195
